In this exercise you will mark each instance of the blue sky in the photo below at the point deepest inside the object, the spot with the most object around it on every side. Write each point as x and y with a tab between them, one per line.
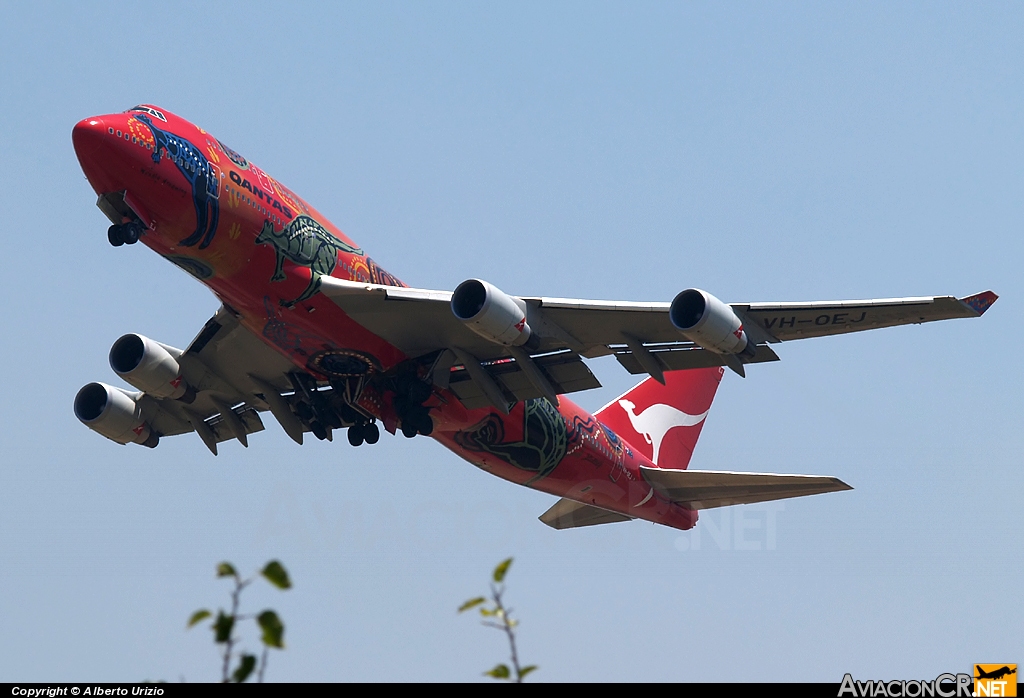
789	151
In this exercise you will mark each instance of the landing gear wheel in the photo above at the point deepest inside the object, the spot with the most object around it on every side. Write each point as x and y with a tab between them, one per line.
371	432
424	424
130	232
318	430
355	435
114	236
124	234
409	430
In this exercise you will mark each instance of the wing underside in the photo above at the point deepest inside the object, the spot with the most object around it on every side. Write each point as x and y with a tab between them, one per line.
787	321
236	374
640	336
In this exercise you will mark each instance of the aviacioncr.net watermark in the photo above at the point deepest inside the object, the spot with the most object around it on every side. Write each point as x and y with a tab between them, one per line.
744	527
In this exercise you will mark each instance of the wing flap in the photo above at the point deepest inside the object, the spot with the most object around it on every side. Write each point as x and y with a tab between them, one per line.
703	489
568	513
564	370
249	418
686	356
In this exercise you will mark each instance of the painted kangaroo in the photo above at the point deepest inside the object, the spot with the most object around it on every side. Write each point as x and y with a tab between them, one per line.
656	421
306	243
197	170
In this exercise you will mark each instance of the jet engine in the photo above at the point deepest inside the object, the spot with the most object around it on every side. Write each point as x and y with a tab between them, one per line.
490	313
150	367
114	413
709	322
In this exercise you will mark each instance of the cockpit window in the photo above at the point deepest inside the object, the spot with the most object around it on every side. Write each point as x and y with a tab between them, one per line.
151	111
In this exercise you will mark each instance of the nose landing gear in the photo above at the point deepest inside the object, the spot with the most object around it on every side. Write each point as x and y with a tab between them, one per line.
124	233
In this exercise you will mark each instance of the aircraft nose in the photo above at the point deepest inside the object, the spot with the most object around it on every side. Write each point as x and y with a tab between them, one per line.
88	135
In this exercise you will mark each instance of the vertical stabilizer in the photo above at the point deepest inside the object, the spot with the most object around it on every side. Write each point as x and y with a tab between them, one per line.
664	421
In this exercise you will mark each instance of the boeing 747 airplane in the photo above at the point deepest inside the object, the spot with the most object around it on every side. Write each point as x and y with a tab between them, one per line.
315	332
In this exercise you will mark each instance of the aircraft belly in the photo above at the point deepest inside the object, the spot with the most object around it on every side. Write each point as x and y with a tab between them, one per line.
563	451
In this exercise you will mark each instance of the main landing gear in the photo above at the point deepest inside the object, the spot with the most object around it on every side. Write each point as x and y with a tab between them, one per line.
417	423
367	432
124	233
410	394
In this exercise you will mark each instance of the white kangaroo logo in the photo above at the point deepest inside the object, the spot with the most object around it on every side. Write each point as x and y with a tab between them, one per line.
656	421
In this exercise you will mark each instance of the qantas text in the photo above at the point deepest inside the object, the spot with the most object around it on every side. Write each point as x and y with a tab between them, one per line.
259	193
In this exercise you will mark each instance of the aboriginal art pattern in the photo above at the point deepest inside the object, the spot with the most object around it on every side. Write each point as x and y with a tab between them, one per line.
587	429
293	340
200	174
195	267
379	276
234	157
343	363
544	443
308	244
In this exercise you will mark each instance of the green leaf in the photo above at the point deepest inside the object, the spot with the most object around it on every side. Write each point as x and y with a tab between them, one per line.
526	670
226	569
500	570
245	667
273	629
222	627
486	612
199	616
499	672
276	575
471	603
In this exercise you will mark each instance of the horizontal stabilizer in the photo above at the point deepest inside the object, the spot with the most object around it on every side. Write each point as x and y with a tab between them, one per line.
567	513
704	489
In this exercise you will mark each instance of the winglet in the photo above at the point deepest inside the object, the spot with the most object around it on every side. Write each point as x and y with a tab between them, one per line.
980	302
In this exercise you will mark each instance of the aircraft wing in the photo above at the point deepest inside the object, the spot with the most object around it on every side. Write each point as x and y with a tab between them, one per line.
704	489
641	336
235	375
785	321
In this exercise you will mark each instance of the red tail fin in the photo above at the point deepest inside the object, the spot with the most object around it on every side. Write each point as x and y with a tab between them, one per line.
664	421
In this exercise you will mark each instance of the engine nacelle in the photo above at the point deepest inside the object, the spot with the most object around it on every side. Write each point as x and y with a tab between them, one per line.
114	413
709	322
150	367
490	313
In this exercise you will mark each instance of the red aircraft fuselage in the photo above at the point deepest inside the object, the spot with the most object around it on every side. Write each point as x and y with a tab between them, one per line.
210	211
